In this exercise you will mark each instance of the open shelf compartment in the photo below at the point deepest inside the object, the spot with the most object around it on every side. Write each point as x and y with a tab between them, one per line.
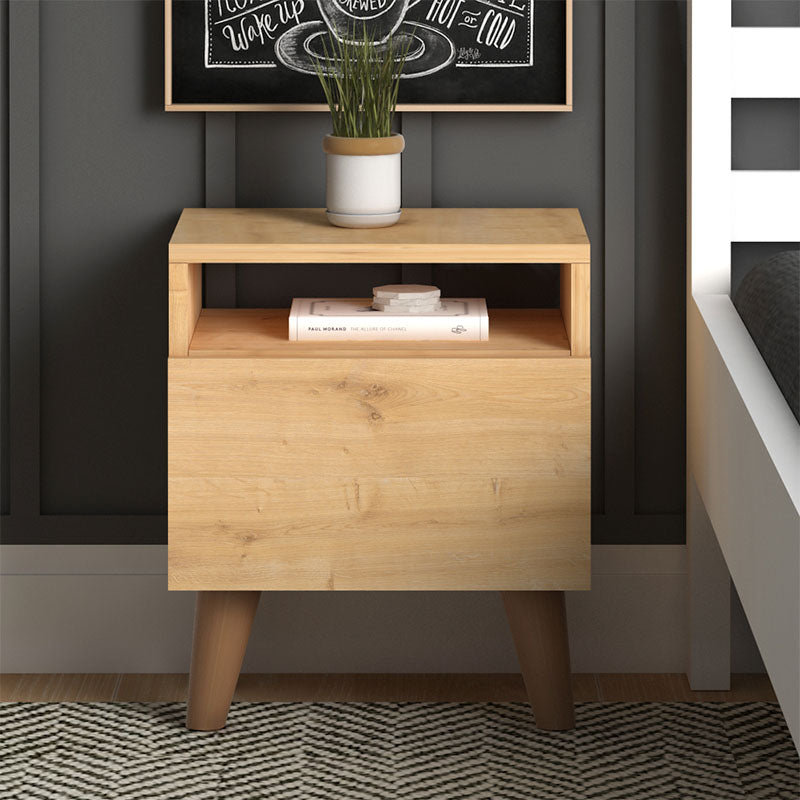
263	333
279	236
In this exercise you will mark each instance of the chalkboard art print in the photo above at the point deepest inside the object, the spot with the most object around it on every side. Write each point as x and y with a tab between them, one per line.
470	55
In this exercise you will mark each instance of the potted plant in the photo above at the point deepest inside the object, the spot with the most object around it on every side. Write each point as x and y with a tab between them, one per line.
360	78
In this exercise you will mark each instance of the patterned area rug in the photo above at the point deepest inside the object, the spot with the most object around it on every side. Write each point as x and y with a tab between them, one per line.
385	751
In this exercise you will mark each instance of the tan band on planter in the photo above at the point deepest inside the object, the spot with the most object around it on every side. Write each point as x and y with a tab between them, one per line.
379	146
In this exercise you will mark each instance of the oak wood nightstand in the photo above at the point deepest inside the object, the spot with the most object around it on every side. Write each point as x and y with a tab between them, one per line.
378	465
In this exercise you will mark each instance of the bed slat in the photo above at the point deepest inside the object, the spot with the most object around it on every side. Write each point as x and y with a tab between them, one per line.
765	62
766	206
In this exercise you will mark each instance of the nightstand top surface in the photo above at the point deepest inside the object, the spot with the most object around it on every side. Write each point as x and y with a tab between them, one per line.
440	235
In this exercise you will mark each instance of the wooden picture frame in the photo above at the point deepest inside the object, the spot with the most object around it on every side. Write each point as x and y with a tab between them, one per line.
173	103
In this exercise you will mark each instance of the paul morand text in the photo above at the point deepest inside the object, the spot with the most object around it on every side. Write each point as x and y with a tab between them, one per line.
356	328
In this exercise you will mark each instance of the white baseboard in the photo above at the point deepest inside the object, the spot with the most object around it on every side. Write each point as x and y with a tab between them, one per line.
106	608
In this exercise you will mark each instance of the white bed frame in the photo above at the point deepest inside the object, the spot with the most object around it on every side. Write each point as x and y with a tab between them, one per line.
743	442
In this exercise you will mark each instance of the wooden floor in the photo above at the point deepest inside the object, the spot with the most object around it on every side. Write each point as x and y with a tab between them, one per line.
374	688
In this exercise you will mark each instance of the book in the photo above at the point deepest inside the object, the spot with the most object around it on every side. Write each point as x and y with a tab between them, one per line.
318	319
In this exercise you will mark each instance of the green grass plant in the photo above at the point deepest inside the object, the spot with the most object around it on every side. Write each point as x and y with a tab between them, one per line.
361	80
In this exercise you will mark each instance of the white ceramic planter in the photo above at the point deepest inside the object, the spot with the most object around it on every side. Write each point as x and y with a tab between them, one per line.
363	180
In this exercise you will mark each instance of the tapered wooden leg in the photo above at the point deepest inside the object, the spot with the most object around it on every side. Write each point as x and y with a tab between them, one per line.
538	623
222	623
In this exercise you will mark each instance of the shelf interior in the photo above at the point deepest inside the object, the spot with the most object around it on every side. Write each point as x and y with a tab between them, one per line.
263	333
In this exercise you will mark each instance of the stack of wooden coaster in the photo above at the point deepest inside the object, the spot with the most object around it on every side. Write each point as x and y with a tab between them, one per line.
406	298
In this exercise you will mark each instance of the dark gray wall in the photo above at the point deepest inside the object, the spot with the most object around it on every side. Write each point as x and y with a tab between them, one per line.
114	169
4	352
765	133
765	13
99	174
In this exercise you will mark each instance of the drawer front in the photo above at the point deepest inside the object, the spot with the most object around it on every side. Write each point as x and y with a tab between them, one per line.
321	474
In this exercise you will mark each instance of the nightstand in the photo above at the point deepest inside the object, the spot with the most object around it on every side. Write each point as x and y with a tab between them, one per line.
379	465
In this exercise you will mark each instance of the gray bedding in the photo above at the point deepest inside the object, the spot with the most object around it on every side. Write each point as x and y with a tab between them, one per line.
768	301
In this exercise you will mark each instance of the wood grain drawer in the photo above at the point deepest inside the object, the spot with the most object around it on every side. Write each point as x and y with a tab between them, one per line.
379	473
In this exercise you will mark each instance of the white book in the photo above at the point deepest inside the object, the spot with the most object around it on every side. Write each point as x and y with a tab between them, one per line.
322	319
